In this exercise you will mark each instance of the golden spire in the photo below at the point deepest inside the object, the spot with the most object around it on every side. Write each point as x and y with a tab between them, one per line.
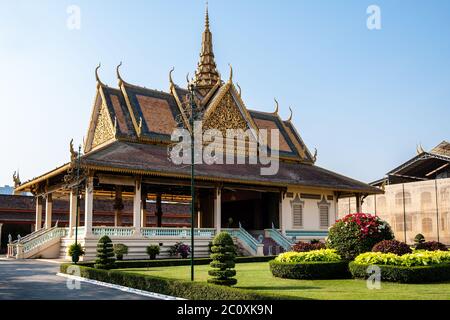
206	75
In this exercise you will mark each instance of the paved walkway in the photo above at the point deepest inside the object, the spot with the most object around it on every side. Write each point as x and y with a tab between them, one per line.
37	280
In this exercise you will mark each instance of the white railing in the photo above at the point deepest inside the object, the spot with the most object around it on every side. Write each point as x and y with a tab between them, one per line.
279	238
177	232
246	237
47	236
113	231
80	231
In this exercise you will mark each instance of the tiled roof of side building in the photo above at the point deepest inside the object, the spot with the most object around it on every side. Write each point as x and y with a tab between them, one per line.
153	160
442	149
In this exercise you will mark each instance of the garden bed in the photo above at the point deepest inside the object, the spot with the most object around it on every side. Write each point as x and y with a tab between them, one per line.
172	287
124	264
310	270
404	274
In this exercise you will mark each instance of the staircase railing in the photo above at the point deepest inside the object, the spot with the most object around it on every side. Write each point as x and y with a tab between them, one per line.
47	236
245	237
279	238
113	231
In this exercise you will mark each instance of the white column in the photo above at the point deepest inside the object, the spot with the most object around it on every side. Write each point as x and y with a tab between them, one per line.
88	206
38	224
137	208
218	210
280	213
72	211
48	211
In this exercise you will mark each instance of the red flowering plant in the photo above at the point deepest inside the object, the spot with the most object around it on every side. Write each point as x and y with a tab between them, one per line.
357	233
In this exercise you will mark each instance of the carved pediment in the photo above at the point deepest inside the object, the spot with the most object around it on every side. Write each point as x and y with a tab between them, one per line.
104	128
225	115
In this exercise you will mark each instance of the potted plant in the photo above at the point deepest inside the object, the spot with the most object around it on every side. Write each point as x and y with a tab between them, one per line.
153	251
76	251
184	250
120	250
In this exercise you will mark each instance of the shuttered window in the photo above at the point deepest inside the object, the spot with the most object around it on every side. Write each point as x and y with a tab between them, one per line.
324	216
297	215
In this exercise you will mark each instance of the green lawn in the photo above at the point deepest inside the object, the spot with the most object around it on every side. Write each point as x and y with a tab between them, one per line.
257	276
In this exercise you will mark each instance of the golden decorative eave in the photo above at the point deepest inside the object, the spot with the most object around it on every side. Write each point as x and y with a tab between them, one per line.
27	185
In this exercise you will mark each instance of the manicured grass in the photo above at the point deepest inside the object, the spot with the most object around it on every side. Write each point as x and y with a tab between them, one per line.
257	276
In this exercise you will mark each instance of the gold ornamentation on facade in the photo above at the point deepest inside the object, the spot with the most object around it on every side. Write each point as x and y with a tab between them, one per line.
206	75
104	130
16	179
226	116
73	153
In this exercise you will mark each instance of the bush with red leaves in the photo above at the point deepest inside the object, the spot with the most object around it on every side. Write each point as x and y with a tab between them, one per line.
392	246
431	246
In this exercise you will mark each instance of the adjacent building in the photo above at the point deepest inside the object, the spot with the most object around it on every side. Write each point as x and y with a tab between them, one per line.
416	196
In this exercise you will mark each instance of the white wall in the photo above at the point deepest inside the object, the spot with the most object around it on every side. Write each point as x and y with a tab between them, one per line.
311	218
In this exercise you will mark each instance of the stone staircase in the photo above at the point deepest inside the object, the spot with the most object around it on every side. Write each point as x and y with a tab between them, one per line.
271	247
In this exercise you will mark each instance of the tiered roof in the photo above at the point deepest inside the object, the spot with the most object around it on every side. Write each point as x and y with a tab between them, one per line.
131	126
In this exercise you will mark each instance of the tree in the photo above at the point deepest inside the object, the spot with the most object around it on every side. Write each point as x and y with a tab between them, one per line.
105	254
223	256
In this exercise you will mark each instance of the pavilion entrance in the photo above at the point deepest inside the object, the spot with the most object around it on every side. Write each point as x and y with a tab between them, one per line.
254	210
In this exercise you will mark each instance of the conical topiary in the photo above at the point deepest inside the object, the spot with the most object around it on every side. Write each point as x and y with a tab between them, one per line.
105	254
223	256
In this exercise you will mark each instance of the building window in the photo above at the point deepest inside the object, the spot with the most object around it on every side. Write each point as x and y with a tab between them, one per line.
427	225
400	223
381	204
324	213
297	212
425	201
399	199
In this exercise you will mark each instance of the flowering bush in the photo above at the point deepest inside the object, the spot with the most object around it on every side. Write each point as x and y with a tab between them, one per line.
357	233
417	258
392	246
181	249
305	246
431	246
322	255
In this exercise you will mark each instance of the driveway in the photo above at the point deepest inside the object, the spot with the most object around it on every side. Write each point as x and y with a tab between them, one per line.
37	280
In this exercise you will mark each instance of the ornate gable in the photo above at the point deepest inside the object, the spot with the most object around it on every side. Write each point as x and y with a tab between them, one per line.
104	129
101	127
224	113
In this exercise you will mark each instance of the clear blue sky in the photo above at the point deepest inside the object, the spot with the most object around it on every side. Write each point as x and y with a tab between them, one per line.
363	98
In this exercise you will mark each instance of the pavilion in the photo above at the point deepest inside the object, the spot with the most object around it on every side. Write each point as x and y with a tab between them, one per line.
125	156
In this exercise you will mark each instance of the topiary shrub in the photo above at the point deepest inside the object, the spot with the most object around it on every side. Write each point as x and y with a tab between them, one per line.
105	254
431	246
223	260
152	251
311	270
419	238
392	246
120	250
357	233
75	251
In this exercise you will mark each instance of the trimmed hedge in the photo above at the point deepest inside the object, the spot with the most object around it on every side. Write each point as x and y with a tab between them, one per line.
402	274
125	264
172	287
310	270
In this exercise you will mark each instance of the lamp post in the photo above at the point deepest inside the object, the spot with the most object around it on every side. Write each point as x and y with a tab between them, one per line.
191	122
78	195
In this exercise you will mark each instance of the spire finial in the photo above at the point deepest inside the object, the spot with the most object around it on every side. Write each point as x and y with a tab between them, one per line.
207	16
97	77
118	73
277	106
206	75
290	117
170	78
231	73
